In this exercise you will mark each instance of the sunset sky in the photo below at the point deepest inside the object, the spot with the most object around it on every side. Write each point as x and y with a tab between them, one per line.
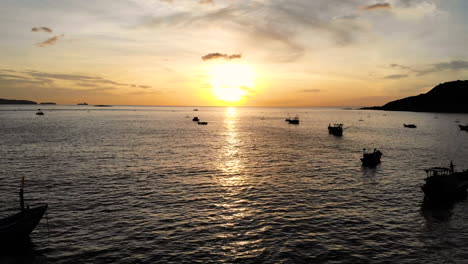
230	52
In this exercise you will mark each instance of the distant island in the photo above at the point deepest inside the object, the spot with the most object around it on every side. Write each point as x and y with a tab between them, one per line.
12	101
48	103
449	97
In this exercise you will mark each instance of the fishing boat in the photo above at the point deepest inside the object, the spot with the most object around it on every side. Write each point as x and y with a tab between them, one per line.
293	121
371	159
39	112
17	227
336	129
462	127
409	125
82	103
444	185
196	119
203	123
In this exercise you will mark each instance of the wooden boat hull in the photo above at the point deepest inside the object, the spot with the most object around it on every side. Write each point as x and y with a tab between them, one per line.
293	122
18	226
335	131
371	159
445	188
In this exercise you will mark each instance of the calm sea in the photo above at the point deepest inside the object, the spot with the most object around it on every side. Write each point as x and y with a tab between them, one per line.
148	185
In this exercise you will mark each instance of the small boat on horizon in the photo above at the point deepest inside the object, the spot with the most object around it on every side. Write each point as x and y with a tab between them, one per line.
84	103
18	227
39	112
203	123
371	159
293	121
409	125
196	119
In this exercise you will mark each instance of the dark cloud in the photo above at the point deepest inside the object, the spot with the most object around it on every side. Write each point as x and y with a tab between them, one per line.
144	86
310	91
394	65
50	41
41	29
213	56
396	76
377	6
11	76
455	65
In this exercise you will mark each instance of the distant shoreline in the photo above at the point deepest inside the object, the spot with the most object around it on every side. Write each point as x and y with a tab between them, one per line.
16	102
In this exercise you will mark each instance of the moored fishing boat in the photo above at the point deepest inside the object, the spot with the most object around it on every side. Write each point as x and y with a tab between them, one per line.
293	121
17	227
336	129
444	185
371	159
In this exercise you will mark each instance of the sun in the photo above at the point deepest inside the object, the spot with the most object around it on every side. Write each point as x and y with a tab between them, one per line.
231	82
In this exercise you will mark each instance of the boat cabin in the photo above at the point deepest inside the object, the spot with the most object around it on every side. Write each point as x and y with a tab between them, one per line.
435	171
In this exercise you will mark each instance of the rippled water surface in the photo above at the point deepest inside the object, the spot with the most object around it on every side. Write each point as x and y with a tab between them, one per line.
148	185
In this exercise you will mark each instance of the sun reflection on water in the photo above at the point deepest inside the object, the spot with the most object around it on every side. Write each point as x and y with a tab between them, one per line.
230	157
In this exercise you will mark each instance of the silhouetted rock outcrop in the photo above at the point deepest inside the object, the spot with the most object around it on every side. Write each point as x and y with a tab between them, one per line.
449	97
8	101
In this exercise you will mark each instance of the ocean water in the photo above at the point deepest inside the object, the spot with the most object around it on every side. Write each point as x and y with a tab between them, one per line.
147	185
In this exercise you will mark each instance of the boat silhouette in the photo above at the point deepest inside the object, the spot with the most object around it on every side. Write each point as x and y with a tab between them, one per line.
293	121
462	127
444	185
371	159
336	129
17	227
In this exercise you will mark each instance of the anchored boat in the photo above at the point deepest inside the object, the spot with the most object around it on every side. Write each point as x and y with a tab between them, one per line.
336	129
444	185
17	227
371	159
294	121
